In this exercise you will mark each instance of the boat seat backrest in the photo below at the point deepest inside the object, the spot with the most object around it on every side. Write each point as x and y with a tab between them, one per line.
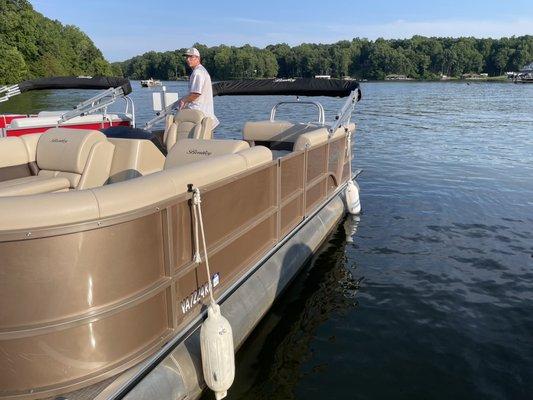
277	135
188	124
266	130
82	156
186	151
17	157
133	158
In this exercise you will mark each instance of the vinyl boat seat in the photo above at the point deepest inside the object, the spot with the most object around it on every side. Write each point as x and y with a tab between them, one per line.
187	124
188	162
17	157
66	159
137	153
51	118
283	137
186	151
202	162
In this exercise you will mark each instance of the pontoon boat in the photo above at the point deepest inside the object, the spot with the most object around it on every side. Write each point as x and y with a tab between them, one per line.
90	114
104	281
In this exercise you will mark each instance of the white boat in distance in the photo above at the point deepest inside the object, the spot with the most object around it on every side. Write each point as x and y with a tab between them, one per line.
150	82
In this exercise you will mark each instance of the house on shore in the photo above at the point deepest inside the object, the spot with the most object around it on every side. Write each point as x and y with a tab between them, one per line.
472	76
396	77
525	75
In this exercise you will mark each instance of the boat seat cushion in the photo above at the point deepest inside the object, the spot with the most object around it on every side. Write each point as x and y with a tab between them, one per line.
214	169
275	131
188	124
33	185
255	156
265	130
82	156
311	139
133	158
186	151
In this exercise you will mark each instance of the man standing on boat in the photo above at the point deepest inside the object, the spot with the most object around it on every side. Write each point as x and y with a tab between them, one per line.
200	95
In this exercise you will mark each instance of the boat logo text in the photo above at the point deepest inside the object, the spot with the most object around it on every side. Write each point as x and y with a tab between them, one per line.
199	152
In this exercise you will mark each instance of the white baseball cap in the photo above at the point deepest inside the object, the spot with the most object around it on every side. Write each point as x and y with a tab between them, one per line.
192	52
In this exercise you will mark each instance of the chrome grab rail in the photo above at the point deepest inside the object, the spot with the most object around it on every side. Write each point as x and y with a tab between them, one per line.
321	114
161	115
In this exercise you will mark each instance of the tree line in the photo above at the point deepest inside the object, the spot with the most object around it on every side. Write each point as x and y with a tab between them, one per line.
32	46
418	57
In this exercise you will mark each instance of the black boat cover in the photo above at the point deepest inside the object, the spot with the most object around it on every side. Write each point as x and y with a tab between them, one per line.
286	87
72	82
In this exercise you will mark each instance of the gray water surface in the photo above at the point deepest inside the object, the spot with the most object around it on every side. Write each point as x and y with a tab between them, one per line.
434	298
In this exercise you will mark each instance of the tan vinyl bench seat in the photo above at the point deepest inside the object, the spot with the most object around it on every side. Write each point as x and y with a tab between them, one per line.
276	131
173	180
33	185
134	158
283	137
186	151
65	159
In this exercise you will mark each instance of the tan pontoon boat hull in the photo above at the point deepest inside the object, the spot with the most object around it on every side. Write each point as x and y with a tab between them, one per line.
179	374
86	299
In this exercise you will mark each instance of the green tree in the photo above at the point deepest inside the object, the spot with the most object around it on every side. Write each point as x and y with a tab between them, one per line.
13	68
47	47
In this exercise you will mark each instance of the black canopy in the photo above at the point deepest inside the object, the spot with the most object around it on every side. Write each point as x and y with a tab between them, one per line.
72	82
286	87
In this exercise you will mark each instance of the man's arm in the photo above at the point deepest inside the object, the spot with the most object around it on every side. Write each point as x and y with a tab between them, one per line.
188	99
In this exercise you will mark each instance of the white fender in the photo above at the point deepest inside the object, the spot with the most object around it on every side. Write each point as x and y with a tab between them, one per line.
352	198
218	357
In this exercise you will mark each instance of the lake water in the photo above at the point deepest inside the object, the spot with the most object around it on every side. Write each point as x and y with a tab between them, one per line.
433	299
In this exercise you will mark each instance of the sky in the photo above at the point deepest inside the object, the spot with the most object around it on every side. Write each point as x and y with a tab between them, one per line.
123	29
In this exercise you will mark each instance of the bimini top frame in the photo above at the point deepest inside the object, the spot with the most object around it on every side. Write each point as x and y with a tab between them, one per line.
344	116
116	88
285	87
297	87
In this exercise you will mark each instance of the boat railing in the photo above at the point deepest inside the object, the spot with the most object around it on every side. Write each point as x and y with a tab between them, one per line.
6	92
100	102
320	108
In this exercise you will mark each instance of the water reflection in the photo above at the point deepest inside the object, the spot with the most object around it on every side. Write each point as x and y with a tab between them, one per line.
269	365
350	227
27	103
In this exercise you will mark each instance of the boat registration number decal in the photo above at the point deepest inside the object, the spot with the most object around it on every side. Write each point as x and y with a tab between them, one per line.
195	297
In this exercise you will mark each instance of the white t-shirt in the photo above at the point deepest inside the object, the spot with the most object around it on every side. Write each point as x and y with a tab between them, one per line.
200	82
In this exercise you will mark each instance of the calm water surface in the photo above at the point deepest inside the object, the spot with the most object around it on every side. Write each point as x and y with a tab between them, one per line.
433	299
